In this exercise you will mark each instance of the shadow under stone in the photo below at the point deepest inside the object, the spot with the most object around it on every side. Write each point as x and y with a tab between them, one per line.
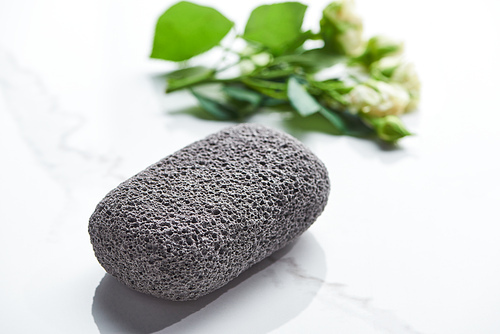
118	309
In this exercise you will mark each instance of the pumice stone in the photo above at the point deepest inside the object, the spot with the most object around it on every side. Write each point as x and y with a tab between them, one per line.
188	224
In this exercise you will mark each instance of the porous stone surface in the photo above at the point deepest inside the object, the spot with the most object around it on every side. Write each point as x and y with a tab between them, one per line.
196	219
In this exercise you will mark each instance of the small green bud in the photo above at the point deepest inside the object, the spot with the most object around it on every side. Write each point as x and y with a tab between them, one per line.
262	59
389	128
384	68
379	47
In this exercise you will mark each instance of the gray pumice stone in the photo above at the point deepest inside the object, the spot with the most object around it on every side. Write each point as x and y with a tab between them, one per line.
188	224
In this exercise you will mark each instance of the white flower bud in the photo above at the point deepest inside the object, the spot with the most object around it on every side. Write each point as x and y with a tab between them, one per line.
377	98
363	98
261	59
395	70
342	28
407	77
247	66
249	50
250	64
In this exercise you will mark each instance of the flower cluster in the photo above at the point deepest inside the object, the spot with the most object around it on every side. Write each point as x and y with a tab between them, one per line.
385	86
391	86
360	87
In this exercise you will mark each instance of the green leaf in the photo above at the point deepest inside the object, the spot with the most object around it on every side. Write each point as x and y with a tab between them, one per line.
306	105
277	26
218	110
274	72
272	102
186	30
333	84
300	99
354	125
187	77
388	128
276	90
334	119
299	41
333	88
243	94
311	60
379	47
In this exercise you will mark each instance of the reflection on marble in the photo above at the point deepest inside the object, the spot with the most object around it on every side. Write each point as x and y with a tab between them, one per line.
261	299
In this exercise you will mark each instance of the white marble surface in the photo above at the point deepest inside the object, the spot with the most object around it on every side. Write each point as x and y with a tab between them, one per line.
409	242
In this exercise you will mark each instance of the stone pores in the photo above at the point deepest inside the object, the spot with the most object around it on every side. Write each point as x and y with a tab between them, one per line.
196	219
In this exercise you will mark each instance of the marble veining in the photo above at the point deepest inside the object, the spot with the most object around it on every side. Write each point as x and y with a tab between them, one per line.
47	128
362	308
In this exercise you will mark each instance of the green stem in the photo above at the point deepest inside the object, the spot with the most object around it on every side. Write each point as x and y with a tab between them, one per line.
207	81
227	66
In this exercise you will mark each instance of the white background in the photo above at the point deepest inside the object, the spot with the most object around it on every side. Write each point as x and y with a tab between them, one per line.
409	242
